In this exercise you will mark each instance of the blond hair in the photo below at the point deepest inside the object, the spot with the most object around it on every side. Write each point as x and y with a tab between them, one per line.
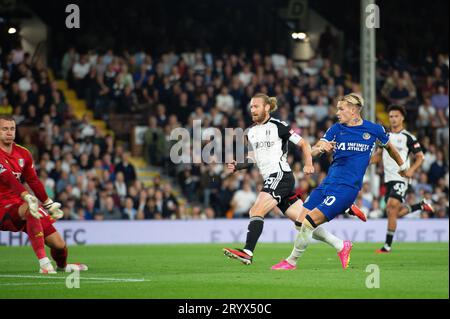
352	98
272	101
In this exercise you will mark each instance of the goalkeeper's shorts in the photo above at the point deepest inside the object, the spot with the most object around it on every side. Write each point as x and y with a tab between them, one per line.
10	220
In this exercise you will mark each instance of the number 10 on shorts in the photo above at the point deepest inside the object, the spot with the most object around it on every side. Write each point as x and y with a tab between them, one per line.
329	200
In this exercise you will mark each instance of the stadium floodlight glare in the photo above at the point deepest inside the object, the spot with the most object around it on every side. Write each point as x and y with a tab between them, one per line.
12	30
299	36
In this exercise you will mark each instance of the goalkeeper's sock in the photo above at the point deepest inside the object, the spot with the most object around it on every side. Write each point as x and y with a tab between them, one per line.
60	256
44	261
255	228
323	235
36	236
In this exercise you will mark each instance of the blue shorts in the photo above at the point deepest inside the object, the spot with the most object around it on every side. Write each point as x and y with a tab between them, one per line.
331	199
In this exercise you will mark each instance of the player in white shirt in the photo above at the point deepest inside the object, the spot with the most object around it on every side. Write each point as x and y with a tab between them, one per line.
396	185
268	147
243	200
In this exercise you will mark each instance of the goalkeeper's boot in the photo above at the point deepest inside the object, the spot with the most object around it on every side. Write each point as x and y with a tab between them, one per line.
73	267
47	269
355	211
344	254
238	254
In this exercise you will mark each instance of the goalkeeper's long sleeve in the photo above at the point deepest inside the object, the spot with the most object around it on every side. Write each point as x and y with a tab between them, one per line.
7	178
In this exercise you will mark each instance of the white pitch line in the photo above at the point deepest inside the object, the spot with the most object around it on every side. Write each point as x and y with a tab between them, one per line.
46	283
81	277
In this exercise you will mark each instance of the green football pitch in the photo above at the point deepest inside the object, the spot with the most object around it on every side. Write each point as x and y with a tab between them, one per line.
203	272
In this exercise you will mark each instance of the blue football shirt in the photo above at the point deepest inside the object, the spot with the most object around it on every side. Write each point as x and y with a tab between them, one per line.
354	147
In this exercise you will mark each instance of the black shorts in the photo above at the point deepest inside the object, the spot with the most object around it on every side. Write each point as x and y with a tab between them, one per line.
281	186
397	190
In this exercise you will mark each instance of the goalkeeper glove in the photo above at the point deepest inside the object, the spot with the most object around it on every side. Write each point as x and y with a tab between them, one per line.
54	209
33	205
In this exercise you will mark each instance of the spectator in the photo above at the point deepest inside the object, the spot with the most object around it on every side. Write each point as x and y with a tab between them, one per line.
154	143
120	185
126	168
423	186
242	201
438	168
427	117
5	107
224	101
375	212
367	196
400	94
80	70
68	61
89	210
129	211
440	99
150	210
327	43
170	203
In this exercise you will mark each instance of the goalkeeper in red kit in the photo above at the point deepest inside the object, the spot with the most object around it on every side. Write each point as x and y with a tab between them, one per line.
20	210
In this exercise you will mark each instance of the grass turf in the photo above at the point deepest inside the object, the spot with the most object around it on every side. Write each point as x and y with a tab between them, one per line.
418	270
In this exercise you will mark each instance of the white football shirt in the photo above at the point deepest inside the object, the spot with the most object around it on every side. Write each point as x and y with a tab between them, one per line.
269	143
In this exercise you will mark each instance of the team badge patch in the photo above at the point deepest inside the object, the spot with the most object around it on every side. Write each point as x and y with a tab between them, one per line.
366	136
21	162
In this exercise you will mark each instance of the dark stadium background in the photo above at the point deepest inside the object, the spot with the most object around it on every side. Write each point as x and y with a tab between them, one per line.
410	27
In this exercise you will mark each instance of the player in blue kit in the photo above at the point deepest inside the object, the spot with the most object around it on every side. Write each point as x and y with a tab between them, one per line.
352	140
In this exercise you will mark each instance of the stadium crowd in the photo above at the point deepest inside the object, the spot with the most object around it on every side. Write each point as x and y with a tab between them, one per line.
91	173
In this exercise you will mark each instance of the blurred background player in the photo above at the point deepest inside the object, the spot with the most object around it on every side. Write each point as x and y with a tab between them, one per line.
268	147
20	210
397	185
353	140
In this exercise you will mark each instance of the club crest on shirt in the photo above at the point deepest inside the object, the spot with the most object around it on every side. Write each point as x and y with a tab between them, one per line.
21	162
366	136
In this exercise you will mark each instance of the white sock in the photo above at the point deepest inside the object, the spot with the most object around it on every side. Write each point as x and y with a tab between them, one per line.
322	234
301	243
43	261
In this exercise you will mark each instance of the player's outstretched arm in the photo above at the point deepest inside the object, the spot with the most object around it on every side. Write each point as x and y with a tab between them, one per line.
395	155
235	166
306	149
